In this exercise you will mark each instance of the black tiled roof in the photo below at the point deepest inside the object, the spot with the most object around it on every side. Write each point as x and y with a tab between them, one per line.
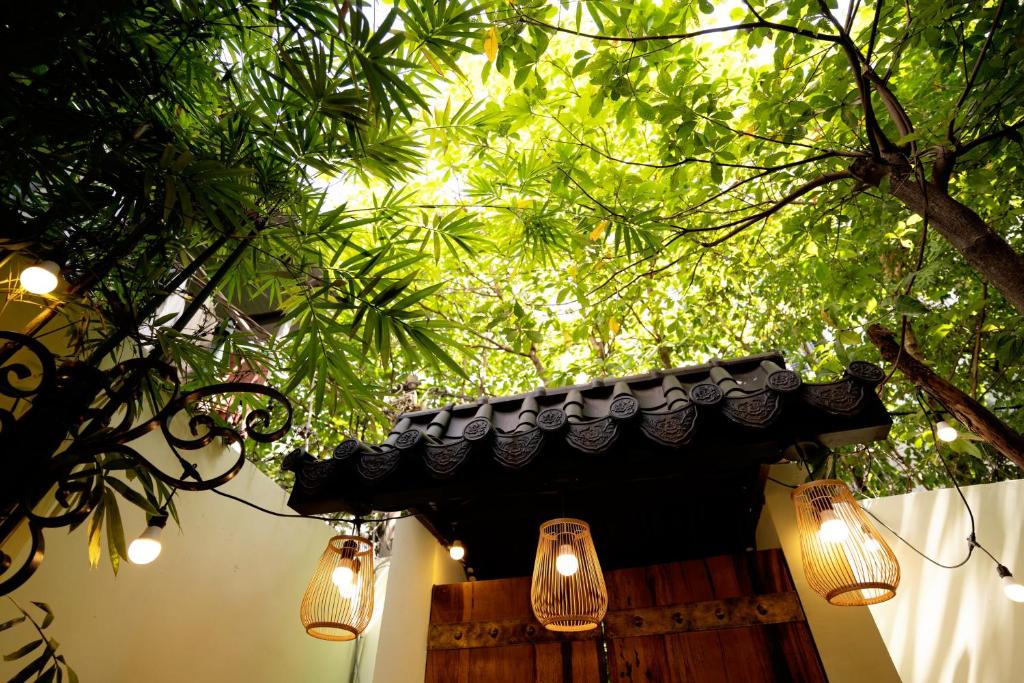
675	453
753	399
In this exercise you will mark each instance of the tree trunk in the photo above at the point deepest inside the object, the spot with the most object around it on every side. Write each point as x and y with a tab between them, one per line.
981	246
977	417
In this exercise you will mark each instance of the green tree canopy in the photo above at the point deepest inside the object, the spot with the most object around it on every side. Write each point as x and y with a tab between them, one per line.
495	196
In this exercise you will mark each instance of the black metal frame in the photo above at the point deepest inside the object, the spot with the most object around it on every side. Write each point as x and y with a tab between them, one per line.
77	413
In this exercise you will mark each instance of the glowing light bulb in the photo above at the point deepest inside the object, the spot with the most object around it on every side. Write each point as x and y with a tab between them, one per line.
1011	586
832	529
457	551
945	431
146	547
566	563
40	278
344	577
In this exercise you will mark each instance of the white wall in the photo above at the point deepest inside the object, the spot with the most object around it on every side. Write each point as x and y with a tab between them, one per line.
418	562
220	604
954	626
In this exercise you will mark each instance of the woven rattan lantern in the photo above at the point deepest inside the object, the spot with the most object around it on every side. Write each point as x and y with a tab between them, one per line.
568	592
339	599
845	559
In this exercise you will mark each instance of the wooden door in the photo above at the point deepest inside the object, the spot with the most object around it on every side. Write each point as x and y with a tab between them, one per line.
720	619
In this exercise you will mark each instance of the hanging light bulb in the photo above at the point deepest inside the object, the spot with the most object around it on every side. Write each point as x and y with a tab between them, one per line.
568	592
566	562
146	548
345	577
945	431
832	529
338	602
40	278
456	550
845	560
1012	587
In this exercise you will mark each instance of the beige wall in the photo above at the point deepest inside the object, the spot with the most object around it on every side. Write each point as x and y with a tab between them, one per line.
851	647
221	603
954	626
418	562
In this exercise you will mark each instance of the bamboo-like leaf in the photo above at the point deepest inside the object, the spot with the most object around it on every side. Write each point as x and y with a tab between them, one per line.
33	668
94	531
115	532
131	495
23	650
13	622
48	618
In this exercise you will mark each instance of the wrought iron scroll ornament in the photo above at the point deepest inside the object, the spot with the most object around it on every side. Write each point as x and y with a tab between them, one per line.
64	428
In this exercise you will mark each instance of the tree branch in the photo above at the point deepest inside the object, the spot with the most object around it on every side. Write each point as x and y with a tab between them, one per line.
876	137
977	417
745	26
951	130
743	223
1006	132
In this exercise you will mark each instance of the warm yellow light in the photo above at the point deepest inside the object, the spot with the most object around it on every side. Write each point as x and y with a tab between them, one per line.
845	560
945	431
1011	586
457	551
146	547
567	563
40	278
344	577
568	592
832	528
1013	589
338	602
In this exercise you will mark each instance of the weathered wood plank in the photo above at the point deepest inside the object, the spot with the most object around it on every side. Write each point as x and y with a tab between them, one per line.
756	629
477	634
747	610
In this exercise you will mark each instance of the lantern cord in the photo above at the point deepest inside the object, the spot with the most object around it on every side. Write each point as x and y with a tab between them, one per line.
938	452
971	542
348	520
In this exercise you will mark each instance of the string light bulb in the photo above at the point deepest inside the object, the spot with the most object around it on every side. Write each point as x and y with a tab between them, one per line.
456	550
945	431
146	548
1013	588
40	278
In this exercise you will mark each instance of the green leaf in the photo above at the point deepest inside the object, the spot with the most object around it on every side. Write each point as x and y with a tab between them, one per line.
33	668
909	306
23	650
131	495
13	622
849	337
48	619
94	530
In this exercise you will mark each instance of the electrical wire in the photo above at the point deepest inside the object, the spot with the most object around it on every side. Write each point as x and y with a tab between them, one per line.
352	520
970	548
972	540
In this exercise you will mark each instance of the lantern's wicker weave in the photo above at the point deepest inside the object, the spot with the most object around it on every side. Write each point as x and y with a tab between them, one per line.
861	570
325	612
568	603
